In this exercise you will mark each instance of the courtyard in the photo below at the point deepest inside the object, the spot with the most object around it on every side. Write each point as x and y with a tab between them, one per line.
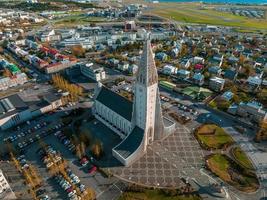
164	163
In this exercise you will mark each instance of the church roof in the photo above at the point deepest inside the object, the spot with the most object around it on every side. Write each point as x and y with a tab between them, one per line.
128	146
116	103
147	71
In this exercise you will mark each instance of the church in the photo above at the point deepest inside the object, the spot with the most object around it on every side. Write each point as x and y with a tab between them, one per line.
140	122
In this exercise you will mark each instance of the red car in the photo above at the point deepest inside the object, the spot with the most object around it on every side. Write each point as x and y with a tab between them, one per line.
92	170
84	161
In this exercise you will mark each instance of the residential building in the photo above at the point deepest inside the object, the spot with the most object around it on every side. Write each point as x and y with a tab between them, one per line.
198	78
93	72
183	74
5	189
252	110
123	66
216	84
169	69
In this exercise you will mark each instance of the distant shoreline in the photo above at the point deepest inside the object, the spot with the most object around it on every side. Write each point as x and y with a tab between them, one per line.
218	2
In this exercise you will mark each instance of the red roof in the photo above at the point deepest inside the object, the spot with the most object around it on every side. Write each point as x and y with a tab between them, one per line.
54	64
199	66
53	51
44	49
62	56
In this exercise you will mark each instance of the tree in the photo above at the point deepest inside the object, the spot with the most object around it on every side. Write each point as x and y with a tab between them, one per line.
242	59
207	75
78	51
7	73
97	149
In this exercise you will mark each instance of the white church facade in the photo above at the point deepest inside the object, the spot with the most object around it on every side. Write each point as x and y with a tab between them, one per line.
140	122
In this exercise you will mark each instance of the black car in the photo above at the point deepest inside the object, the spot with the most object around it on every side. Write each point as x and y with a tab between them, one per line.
40	192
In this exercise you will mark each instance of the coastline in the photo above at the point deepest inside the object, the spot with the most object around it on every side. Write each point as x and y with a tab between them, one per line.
219	2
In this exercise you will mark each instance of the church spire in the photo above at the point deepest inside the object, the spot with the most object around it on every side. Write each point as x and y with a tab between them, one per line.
147	71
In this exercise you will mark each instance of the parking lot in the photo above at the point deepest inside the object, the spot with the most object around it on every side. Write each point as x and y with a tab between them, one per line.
101	185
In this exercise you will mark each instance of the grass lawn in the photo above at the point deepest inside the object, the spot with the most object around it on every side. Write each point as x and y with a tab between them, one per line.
154	195
212	136
242	158
232	173
195	13
77	19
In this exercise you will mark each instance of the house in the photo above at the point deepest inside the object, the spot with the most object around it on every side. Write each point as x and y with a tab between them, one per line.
169	69
185	63
198	67
216	60
56	67
252	110
230	74
228	95
233	60
161	56
216	84
183	74
197	60
123	66
18	79
175	52
216	70
93	72
113	62
133	69
254	81
198	78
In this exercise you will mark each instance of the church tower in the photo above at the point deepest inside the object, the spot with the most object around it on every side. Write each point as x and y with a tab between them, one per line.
147	110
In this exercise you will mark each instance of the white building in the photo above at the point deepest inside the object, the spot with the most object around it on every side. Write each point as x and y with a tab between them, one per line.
6	192
216	84
140	122
169	69
94	72
14	110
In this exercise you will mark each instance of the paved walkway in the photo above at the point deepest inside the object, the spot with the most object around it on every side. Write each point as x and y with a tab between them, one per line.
165	162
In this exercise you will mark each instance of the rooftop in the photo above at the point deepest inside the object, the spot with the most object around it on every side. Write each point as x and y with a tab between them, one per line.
111	99
130	144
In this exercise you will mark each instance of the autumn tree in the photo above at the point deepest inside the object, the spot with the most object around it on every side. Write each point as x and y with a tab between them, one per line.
78	51
97	149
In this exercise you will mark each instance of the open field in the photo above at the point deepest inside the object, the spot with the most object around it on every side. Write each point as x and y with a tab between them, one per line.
242	158
212	136
76	19
232	173
205	14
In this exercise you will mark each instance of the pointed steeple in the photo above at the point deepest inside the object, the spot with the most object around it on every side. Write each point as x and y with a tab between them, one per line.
147	71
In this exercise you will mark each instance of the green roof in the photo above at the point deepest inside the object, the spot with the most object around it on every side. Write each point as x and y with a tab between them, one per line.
13	68
197	92
167	84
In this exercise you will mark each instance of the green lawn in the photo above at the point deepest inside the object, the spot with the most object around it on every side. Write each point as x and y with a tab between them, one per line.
242	158
154	195
219	165
212	136
232	173
77	19
194	13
